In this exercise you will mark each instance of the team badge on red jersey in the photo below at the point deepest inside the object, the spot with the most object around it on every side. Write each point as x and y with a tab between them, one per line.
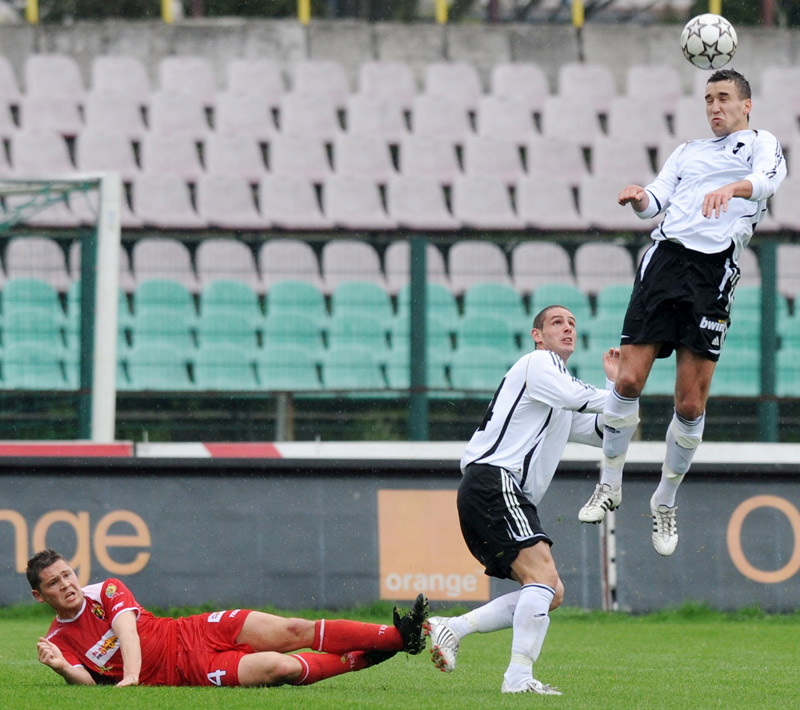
111	590
98	611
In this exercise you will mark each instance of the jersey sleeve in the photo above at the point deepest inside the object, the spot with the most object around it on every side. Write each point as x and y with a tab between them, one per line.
586	429
769	166
549	381
66	650
661	189
116	598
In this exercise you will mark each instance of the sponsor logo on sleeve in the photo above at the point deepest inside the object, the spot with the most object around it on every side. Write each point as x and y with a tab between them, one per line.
216	617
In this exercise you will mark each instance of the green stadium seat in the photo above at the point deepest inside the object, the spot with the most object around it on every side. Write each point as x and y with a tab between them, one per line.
157	367
562	295
587	366
398	370
789	332
787	375
33	366
438	300
30	293
362	297
662	377
227	327
224	368
737	374
437	334
296	297
293	329
72	325
479	370
498	301
287	368
613	300
164	295
486	332
152	326
352	368
227	296
602	331
358	330
32	325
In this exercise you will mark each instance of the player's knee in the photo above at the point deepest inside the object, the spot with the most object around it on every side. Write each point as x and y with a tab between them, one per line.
629	384
690	406
280	669
299	632
558	597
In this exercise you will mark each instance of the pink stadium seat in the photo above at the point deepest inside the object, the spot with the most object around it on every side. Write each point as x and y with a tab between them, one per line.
396	261
121	75
227	202
37	257
288	260
176	112
298	156
40	154
419	203
472	262
748	263
234	154
355	203
570	118
50	113
164	201
102	151
376	116
54	75
624	160
591	83
656	84
392	81
456	81
786	204
191	75
9	87
440	117
244	114
599	265
171	154
483	203
7	125
690	122
114	112
309	115
521	81
505	118
321	77
495	158
781	82
793	159
126	280
788	258
635	119
597	203
537	263
547	203
291	203
350	260
257	77
85	205
364	157
555	158
163	258
429	157
777	115
228	259
56	214
665	148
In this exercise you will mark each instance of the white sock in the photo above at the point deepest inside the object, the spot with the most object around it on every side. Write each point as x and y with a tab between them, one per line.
620	419
493	616
530	627
683	438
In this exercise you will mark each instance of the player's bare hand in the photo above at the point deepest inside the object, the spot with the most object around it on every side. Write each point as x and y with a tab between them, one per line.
611	363
716	202
50	654
128	681
632	193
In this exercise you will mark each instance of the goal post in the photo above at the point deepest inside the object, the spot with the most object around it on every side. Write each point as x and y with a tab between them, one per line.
97	197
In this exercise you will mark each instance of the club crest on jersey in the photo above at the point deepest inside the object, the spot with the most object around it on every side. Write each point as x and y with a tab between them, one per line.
98	611
111	590
717	326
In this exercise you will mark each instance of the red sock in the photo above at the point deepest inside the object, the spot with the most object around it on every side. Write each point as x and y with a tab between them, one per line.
319	666
341	635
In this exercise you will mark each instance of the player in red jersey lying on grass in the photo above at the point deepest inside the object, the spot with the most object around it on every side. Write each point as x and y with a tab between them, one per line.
102	635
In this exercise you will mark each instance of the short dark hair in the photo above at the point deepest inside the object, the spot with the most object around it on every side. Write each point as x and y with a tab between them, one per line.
742	85
37	563
538	321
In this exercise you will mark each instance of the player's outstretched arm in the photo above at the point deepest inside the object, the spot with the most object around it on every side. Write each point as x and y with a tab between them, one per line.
51	656
124	626
716	202
634	195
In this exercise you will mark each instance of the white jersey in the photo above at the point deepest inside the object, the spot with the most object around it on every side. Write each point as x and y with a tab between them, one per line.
536	410
698	167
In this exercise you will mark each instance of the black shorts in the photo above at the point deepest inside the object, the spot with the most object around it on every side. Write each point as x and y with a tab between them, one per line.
497	520
683	299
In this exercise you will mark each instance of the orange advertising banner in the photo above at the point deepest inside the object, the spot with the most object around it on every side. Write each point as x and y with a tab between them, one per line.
421	548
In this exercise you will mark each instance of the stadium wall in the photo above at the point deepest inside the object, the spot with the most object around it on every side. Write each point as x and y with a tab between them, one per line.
332	525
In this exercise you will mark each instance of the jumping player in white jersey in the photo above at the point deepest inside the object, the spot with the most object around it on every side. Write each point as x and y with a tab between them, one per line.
713	193
507	467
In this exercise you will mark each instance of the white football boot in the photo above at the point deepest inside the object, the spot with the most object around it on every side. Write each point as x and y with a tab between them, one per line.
444	644
665	528
603	499
531	686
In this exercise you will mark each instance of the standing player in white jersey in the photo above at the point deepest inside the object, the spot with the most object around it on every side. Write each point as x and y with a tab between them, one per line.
713	192
507	467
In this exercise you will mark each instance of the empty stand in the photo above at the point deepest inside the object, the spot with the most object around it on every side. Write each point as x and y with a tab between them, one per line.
299	157
51	211
153	326
495	158
58	114
349	330
256	77
361	298
287	368
439	302
355	203
176	112
53	75
786	204
484	203
520	81
230	296
589	83
38	154
788	261
548	203
104	151
244	115
419	203
472	261
623	160
631	118
323	77
122	75
456	81
32	366
225	259
505	118
612	299
227	202
352	368
164	201
234	155
228	328
657	84
376	116
348	260
171	154
397	265
778	115
294	328
163	258
313	115
190	75
440	117
571	119
398	370
598	206
110	112
363	156
570	297
166	296
478	369
690	122
391	81
486	331
288	260
39	258
497	301
223	367
291	203
297	297
9	88
555	158
125	279
598	265
535	263
750	270
429	157
158	367
781	82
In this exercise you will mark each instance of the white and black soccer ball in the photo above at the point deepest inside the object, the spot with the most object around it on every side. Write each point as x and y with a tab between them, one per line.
708	41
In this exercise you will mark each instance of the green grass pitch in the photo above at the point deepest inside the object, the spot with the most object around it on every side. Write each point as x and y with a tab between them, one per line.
683	659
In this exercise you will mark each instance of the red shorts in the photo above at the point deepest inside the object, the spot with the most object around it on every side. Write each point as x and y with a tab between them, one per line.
207	650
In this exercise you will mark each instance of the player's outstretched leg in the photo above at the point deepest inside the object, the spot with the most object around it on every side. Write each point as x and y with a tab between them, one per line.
603	500
410	625
665	527
444	644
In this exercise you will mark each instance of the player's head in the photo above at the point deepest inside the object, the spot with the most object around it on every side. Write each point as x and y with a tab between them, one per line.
554	329
55	583
728	102
39	562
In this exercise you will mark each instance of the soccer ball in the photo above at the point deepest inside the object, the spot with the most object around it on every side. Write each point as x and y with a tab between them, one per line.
708	41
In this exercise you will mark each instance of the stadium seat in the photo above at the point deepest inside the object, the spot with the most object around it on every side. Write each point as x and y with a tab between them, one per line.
9	87
349	260
361	297
555	158
497	301
244	115
562	295
287	368
122	75
177	112
690	122
299	156
322	77
359	330
786	205
32	366
535	263
505	118
495	158
40	153
352	368
158	368
105	151
126	280
164	201
227	260
7	130
479	370
397	265
291	203
750	270
587	365
224	296
439	302
227	202
657	84
391	81
598	265
163	258
33	325
589	83
50	211
419	203
154	325
613	299
548	203
223	368
472	261
486	331
227	328
288	260
164	295
171	154
293	328
297	297
778	115
234	155
58	114
602	332
438	336
456	81
29	292
38	258
355	203
191	75
788	259
398	370
54	75
72	323
597	202
787	375
85	207
638	120
520	81
257	77
310	116
429	157
623	160
376	116
112	112
484	203
781	82
440	117
737	374
570	119
363	156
